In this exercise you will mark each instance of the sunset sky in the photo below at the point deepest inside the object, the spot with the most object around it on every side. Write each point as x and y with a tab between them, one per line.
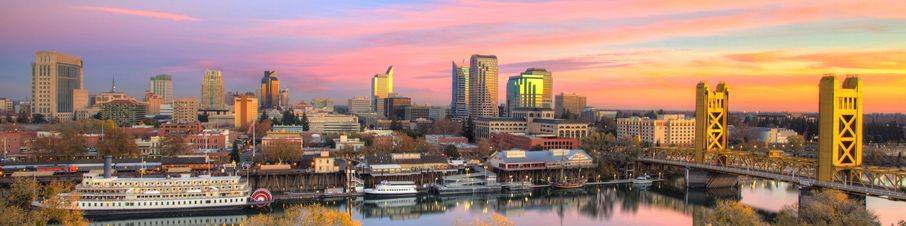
621	54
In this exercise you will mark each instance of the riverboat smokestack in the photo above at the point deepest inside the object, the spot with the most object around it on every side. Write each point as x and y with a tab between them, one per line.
108	166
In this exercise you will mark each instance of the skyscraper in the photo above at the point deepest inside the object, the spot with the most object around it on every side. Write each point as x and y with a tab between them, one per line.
570	104
54	77
381	87
483	86
526	90
459	105
270	90
162	85
212	91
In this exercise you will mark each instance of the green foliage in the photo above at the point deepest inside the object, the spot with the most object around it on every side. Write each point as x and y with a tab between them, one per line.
304	121
451	151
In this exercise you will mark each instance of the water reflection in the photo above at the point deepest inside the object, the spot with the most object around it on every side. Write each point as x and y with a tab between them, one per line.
659	204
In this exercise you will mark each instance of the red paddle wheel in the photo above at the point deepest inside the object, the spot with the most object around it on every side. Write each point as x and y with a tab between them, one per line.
261	198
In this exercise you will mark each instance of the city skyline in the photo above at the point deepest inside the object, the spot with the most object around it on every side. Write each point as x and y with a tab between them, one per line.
639	57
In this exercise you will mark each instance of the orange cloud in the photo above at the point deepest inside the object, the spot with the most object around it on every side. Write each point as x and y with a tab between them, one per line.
141	13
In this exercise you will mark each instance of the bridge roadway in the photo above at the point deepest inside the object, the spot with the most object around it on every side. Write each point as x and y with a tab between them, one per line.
805	181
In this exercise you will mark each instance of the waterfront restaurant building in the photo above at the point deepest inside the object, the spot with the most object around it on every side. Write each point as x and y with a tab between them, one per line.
540	167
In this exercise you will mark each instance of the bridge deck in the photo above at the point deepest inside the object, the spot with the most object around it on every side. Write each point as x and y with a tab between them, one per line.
788	178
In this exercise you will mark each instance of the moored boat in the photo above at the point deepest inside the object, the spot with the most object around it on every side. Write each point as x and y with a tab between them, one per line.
392	189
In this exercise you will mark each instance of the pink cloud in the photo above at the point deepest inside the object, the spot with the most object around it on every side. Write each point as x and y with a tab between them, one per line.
141	13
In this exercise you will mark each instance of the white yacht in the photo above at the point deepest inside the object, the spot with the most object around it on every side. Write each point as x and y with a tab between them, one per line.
392	188
104	195
643	180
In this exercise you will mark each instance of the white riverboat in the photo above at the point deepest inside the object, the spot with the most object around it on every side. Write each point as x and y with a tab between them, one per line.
392	189
110	195
98	195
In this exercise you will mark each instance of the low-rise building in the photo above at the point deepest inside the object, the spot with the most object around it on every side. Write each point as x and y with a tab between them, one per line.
665	130
344	142
149	146
559	128
321	163
516	159
505	141
333	123
388	164
180	129
210	140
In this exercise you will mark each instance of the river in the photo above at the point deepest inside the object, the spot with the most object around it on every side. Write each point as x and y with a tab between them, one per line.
659	204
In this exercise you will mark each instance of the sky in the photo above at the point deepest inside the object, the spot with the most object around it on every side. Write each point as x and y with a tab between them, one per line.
621	54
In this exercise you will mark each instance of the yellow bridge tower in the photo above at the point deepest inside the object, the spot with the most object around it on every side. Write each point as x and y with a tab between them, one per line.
711	109
839	125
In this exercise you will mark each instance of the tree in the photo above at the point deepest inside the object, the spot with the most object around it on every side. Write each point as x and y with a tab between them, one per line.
304	121
203	117
828	207
289	118
468	128
444	126
282	151
234	153
173	145
262	127
22	117
451	151
38	119
22	192
796	142
117	143
733	213
483	150
69	143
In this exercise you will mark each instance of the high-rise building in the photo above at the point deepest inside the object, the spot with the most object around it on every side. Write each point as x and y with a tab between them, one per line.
526	90
162	85
245	110
459	105
284	98
270	90
394	107
570	104
381	87
483	86
212	90
153	102
54	77
185	110
359	105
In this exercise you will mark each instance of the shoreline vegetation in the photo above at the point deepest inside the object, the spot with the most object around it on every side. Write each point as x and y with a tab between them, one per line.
16	205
